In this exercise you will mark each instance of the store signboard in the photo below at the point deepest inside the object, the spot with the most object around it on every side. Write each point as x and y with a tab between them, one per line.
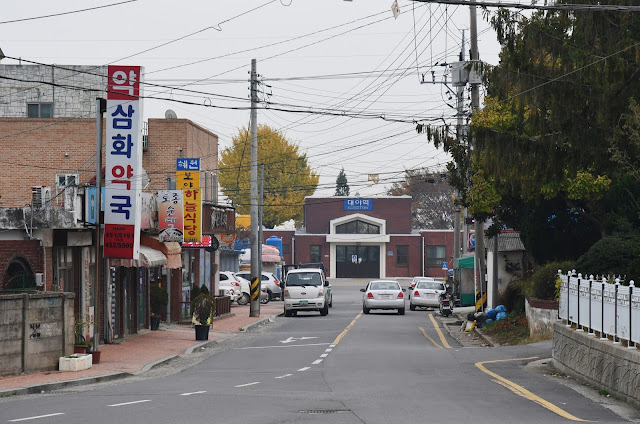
170	215
123	158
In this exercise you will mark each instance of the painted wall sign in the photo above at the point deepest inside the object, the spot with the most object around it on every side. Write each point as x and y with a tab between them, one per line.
123	158
358	204
170	215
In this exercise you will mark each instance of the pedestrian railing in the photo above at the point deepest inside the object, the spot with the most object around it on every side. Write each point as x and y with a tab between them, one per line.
598	306
223	305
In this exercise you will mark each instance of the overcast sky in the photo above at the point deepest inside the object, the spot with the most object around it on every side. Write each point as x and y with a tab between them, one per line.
348	57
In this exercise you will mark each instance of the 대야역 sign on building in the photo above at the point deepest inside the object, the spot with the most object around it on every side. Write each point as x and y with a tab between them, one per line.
123	157
358	204
170	210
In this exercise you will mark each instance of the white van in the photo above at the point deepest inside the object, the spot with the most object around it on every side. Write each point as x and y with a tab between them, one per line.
306	289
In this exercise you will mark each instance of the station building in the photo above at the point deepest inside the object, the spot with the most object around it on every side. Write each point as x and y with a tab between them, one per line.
366	237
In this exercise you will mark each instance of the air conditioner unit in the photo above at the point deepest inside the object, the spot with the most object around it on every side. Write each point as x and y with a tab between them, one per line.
39	279
40	197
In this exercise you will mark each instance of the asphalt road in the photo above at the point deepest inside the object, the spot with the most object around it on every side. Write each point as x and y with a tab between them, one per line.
343	368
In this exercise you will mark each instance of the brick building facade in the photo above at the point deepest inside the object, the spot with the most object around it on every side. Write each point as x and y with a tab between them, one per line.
366	238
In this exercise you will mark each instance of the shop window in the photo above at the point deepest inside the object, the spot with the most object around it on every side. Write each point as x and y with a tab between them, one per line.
402	255
316	253
436	255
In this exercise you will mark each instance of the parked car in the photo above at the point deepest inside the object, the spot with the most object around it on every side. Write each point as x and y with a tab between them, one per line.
242	286
306	290
415	281
383	294
268	282
426	294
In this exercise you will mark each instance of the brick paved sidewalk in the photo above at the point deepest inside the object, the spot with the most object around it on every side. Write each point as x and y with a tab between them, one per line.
138	353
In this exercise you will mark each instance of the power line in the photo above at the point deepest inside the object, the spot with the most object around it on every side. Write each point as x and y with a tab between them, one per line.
66	13
565	7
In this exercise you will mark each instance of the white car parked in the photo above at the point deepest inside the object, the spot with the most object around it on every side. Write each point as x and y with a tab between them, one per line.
426	294
268	282
229	279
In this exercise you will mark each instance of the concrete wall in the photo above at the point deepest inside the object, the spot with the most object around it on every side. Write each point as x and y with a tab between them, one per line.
542	316
614	368
36	329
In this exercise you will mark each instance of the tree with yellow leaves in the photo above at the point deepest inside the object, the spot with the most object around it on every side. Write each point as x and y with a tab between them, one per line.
288	178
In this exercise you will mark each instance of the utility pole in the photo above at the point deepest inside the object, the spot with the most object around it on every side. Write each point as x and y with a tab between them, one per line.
255	244
475	105
459	137
101	106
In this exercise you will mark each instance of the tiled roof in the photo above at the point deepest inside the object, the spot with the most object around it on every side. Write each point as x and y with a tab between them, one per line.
507	242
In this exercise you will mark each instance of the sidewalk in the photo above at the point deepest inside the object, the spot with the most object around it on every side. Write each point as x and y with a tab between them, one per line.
138	353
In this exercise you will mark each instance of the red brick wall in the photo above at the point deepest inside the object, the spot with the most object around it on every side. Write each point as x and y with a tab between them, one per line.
414	266
439	238
166	137
319	211
28	250
34	149
303	253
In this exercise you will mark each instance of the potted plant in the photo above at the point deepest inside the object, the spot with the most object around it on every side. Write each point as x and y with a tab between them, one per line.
158	300
80	344
203	308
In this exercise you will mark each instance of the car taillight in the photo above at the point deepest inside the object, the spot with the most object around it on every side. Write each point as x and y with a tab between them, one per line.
417	293
276	282
236	283
400	295
370	295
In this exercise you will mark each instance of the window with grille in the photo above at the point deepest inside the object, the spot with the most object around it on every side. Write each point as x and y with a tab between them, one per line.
436	255
402	255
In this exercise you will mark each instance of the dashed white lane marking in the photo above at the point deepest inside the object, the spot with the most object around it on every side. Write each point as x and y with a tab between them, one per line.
248	384
36	417
281	346
283	376
130	403
316	362
324	355
193	393
332	345
304	369
328	350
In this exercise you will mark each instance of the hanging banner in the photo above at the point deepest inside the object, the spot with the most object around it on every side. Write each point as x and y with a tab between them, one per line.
123	158
192	215
170	213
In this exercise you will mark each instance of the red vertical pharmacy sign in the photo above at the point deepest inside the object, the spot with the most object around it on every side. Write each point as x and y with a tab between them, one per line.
123	154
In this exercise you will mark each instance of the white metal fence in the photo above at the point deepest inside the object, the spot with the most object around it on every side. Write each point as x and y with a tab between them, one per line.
596	305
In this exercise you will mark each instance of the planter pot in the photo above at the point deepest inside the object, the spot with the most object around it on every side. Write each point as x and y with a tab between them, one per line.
96	356
80	348
76	362
155	323
202	332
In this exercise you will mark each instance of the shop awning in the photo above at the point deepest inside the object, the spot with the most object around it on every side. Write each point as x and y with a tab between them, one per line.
466	262
149	258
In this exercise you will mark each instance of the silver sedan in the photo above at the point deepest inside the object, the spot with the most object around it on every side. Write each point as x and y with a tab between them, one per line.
383	294
426	294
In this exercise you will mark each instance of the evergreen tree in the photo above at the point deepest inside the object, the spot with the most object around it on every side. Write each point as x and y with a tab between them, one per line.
342	187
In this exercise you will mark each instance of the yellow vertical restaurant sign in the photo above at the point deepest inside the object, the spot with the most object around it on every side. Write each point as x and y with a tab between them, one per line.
187	179
192	215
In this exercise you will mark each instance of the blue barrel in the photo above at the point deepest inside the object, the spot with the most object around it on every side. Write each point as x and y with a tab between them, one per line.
275	242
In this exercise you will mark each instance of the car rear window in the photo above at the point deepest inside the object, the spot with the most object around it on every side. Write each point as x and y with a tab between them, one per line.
430	285
384	285
304	279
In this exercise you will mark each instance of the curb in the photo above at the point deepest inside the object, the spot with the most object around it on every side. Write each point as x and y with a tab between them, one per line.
260	322
40	388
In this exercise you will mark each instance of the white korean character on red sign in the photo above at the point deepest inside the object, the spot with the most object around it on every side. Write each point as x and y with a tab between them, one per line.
123	83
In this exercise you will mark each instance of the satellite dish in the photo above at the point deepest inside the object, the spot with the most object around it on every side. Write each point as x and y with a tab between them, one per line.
169	114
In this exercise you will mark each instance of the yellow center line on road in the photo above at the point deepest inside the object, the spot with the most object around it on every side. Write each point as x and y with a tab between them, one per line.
429	337
344	332
521	391
444	341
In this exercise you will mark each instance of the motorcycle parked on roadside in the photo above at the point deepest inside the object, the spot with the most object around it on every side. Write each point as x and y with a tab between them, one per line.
446	303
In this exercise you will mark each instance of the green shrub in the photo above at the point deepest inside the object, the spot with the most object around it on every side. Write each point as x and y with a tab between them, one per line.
543	281
203	308
205	290
513	296
610	256
195	291
158	300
